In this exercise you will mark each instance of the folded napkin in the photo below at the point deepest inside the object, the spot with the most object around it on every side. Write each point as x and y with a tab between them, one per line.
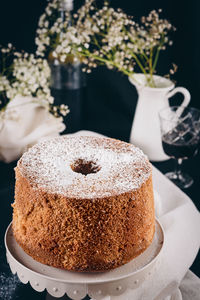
24	123
170	278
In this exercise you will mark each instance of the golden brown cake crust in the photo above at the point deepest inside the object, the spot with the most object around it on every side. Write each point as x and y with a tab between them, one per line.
83	234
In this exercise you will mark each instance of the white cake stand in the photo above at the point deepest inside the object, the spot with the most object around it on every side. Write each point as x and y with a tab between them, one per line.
98	286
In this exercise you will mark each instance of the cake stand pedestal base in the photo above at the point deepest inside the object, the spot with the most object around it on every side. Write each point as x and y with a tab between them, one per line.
99	286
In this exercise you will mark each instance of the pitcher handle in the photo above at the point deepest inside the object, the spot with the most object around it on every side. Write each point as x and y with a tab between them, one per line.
183	91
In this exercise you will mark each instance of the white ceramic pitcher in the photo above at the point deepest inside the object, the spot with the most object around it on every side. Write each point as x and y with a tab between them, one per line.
145	132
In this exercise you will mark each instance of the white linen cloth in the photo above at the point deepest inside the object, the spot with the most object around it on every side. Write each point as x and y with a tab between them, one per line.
24	123
170	279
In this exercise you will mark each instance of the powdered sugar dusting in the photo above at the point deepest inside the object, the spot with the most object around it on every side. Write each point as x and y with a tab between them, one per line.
122	167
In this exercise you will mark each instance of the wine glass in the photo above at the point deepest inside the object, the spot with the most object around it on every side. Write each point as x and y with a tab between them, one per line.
180	131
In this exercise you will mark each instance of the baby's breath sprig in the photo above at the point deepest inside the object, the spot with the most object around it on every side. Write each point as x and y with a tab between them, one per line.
59	111
104	36
106	45
123	44
146	40
25	75
60	38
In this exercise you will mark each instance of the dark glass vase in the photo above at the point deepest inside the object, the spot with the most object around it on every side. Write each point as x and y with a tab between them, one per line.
68	86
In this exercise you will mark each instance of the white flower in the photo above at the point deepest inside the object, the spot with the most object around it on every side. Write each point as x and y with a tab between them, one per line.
30	77
4	83
102	36
46	24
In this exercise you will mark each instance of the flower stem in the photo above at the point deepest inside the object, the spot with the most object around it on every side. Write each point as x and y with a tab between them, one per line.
106	61
139	63
156	59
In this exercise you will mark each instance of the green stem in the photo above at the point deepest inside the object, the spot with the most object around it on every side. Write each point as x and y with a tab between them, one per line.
150	79
139	63
158	52
150	61
106	61
156	59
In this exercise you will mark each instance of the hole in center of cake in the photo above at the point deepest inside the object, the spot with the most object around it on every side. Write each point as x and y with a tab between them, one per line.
85	167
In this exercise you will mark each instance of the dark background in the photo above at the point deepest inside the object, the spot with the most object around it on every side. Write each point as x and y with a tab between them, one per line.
110	99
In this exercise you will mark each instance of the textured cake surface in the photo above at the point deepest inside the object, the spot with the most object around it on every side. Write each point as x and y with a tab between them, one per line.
84	203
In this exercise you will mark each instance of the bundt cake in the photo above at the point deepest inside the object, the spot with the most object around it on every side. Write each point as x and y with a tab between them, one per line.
83	203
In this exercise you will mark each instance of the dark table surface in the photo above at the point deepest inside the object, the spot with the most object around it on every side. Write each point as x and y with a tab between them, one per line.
112	118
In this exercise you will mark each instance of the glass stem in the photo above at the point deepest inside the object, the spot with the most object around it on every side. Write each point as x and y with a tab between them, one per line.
178	163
